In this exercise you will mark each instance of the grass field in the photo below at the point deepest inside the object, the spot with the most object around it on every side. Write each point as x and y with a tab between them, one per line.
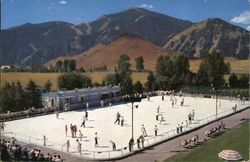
236	139
237	66
41	78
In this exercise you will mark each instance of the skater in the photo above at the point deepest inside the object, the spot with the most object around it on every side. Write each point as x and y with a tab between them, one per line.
158	109
87	106
101	103
189	118
75	130
72	130
96	140
66	130
162	97
86	114
138	143
177	128
193	114
122	121
113	145
148	98
156	130
143	130
83	122
181	127
57	114
131	144
118	115
67	145
162	119
80	135
110	103
182	101
172	103
79	145
142	141
44	140
2	126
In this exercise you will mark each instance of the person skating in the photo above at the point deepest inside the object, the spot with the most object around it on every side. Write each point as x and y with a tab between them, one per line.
96	140
142	141
79	145
67	145
86	114
83	122
122	121
75	130
72	130
178	128
193	113
156	130
66	130
113	145
44	140
118	115
138	143
162	97
57	114
143	130
181	127
80	135
158	109
131	144
189	118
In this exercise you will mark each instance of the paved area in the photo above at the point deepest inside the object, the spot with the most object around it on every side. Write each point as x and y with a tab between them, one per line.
172	147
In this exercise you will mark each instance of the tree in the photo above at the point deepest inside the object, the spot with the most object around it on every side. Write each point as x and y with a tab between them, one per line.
244	81
110	80
139	63
73	80
150	82
164	71
213	68
138	88
47	86
33	95
66	65
233	81
123	75
71	65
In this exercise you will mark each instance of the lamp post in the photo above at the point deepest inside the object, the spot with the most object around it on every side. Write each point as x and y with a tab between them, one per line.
132	100
216	100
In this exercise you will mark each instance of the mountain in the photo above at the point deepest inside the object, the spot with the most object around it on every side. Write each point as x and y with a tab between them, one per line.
108	55
211	34
40	43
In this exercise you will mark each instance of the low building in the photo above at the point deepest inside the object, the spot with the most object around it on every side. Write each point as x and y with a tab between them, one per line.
78	98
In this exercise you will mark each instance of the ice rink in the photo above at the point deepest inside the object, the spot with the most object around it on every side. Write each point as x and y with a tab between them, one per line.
101	120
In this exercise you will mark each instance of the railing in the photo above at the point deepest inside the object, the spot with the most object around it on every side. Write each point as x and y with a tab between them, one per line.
119	153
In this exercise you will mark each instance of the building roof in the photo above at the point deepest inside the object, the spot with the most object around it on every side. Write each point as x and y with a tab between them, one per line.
82	92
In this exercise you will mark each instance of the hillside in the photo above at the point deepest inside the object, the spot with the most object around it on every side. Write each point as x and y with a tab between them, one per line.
211	34
42	42
108	55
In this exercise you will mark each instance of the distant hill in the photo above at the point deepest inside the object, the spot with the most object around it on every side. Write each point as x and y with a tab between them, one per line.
40	43
108	55
43	42
211	34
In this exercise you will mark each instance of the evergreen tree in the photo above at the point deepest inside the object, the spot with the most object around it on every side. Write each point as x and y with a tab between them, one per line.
150	81
110	80
47	86
233	81
138	88
139	63
33	95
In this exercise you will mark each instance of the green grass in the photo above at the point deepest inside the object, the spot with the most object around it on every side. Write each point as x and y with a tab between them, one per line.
236	139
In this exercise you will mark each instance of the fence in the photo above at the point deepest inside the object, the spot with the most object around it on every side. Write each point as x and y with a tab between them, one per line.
121	152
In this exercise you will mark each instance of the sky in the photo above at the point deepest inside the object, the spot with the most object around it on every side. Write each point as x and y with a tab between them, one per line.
18	12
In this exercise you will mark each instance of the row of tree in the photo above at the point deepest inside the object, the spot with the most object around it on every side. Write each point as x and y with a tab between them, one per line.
14	97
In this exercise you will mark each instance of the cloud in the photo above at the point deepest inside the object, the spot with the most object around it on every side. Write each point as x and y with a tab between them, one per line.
244	18
248	28
62	2
146	6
